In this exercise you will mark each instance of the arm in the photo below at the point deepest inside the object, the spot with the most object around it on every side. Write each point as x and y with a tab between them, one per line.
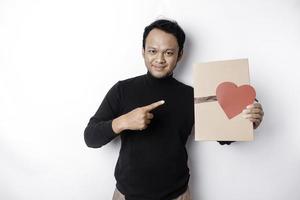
99	130
107	123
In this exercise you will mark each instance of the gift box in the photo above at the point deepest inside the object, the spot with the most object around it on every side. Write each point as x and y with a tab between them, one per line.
221	91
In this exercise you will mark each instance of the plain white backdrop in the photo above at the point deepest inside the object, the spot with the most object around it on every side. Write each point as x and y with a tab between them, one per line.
59	58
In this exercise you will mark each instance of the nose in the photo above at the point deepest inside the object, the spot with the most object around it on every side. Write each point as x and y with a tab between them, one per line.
160	58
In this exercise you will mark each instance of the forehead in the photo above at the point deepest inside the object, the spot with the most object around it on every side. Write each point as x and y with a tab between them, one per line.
161	39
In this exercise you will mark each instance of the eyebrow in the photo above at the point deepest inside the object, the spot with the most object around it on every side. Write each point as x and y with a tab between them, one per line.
165	50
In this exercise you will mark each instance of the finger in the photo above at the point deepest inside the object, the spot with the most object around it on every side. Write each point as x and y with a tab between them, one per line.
250	106
253	110
150	116
254	116
254	120
247	116
257	121
246	111
142	128
254	105
154	105
256	111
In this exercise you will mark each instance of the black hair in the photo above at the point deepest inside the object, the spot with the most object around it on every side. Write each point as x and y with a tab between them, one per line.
168	26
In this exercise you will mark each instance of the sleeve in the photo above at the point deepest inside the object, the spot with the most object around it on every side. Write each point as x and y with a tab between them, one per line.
225	142
99	129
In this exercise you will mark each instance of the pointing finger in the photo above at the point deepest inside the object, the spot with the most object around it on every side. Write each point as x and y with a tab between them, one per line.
154	105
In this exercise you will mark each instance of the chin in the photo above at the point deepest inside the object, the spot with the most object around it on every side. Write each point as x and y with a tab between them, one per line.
159	74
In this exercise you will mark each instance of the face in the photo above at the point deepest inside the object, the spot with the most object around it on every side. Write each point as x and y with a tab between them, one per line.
161	53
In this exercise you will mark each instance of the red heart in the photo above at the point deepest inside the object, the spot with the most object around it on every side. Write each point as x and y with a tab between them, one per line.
234	99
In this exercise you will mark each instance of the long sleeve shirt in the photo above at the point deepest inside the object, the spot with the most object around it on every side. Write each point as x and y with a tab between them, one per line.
152	163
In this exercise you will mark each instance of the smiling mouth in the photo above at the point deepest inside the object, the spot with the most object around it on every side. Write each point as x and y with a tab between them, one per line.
159	68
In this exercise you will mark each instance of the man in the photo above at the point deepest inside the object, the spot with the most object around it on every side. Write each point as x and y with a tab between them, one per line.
154	115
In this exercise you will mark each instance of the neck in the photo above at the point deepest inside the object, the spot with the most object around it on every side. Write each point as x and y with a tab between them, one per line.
165	78
160	81
163	81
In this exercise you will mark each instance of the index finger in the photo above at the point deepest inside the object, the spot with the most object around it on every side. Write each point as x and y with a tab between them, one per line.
154	105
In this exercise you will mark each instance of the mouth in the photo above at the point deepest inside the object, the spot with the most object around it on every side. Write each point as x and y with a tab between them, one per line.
158	68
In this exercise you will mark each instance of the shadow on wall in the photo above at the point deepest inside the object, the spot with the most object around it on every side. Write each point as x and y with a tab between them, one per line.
187	52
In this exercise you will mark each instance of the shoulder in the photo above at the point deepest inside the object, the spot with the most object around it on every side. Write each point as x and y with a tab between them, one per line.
186	94
121	87
187	88
130	81
125	84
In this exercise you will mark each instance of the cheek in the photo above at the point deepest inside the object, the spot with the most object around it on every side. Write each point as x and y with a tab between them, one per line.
172	61
150	59
146	59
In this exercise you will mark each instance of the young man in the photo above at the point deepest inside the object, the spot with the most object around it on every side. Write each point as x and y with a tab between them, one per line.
154	115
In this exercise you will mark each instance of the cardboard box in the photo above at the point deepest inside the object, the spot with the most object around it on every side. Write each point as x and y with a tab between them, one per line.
211	122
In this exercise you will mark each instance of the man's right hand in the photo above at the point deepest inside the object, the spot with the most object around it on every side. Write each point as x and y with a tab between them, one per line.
137	119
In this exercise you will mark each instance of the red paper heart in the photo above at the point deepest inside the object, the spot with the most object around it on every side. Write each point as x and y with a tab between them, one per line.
234	99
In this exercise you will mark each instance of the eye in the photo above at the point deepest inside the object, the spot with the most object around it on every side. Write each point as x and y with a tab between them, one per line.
151	51
169	53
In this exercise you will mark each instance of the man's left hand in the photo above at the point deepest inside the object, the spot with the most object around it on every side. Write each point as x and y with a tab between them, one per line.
254	113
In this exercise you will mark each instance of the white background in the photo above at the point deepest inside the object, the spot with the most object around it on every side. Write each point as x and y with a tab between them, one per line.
59	58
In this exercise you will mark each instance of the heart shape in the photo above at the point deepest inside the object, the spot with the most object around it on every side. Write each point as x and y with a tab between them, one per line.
234	99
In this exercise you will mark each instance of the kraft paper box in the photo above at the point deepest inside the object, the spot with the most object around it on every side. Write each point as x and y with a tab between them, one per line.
211	122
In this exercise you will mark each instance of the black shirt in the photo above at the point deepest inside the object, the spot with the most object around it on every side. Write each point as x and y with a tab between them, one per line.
152	163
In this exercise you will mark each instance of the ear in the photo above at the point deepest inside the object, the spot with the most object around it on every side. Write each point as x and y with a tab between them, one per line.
180	55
